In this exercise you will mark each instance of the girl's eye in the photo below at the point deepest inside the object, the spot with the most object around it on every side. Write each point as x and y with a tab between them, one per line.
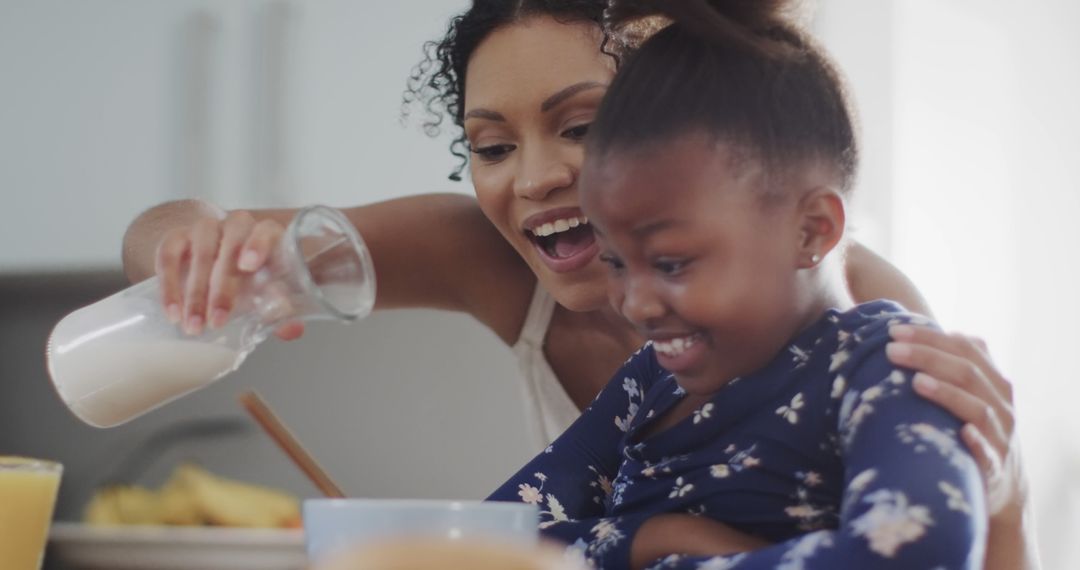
578	132
671	267
614	263
492	153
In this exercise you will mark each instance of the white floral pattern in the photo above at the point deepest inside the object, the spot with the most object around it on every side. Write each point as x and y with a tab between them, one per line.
804	549
956	500
633	390
722	562
800	357
530	494
790	412
681	489
857	406
891	522
602	482
606	536
838	386
924	437
703	413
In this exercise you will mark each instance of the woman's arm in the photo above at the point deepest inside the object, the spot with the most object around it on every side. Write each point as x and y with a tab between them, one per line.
434	250
871	277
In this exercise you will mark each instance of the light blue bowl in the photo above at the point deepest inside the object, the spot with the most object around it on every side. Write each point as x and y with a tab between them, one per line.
331	525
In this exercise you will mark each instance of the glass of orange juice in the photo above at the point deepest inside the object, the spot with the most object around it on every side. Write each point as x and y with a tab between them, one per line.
27	495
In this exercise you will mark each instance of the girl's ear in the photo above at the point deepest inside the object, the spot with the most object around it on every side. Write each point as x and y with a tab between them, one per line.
822	216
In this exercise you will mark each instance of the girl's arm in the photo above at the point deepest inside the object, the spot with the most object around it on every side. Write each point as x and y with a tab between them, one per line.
573	477
913	496
967	384
573	480
434	250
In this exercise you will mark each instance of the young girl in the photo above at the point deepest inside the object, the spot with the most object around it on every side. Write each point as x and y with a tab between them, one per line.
716	178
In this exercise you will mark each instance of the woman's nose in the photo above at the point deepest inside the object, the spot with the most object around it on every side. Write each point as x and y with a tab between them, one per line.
542	172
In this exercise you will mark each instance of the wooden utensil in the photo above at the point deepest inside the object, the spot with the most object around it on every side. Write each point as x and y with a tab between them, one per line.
268	420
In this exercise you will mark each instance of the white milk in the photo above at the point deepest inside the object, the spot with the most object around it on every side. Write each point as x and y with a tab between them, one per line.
108	382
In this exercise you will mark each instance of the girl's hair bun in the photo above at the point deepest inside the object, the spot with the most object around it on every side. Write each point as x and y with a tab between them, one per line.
746	24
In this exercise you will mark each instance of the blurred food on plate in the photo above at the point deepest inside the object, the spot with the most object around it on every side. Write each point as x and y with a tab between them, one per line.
193	496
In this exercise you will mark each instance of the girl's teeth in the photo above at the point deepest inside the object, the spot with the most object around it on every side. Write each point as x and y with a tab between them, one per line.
674	347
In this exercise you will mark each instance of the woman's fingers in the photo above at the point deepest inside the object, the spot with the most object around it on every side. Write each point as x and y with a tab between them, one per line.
955	371
172	253
205	237
959	364
202	268
991	463
970	348
967	407
290	330
226	278
256	249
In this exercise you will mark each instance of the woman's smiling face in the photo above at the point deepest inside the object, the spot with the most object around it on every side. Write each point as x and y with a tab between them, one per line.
532	89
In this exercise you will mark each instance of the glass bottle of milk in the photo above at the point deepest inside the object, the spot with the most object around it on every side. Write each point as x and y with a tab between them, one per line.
121	357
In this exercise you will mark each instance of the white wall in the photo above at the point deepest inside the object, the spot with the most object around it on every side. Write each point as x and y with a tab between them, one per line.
111	106
982	199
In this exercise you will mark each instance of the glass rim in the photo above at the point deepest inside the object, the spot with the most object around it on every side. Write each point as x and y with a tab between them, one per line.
349	232
23	463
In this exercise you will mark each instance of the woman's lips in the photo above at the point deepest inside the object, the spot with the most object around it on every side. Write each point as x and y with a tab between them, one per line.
565	242
564	258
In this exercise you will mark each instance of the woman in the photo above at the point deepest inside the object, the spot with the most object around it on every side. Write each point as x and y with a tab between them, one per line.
523	80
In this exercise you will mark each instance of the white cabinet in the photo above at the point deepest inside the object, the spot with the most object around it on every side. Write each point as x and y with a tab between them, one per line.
110	106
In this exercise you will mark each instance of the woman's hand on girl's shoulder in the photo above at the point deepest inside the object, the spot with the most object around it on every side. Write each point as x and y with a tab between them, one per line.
956	372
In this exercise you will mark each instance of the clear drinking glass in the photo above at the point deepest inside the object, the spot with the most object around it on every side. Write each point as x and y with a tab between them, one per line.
28	490
121	357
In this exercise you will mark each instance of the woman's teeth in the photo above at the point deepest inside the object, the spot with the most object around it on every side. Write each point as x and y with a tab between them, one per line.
675	346
558	226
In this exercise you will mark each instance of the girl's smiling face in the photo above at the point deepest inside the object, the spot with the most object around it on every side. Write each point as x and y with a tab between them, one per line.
532	90
700	262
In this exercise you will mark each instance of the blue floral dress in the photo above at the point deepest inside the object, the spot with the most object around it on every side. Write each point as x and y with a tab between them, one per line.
826	452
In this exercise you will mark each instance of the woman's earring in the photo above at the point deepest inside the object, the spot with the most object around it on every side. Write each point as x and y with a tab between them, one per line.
815	259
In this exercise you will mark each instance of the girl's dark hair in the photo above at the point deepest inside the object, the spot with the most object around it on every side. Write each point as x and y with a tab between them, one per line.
738	71
438	82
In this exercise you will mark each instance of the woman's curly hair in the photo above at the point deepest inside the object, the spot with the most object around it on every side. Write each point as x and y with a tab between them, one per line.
437	83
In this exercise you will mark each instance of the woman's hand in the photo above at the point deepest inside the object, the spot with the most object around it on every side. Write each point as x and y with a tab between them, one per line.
202	267
956	372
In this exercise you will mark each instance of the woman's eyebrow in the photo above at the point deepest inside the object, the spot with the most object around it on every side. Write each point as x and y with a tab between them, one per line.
547	105
568	92
484	114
